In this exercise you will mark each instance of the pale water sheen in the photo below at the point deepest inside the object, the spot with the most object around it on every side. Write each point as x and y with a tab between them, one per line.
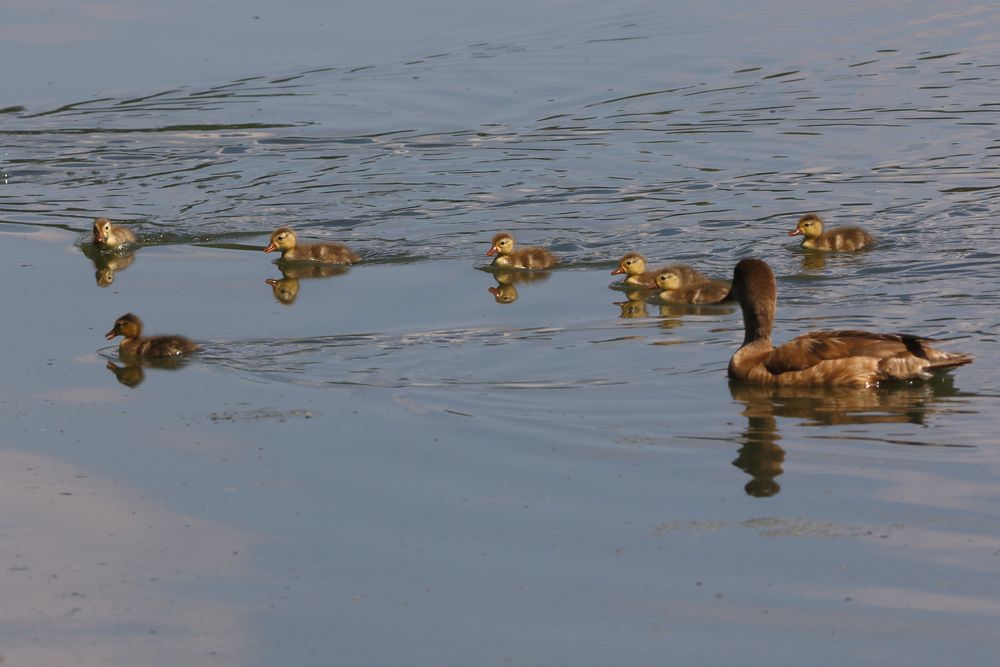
385	465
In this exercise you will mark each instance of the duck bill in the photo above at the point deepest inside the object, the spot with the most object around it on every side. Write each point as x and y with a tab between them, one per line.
795	232
111	334
271	247
493	290
618	271
271	281
492	251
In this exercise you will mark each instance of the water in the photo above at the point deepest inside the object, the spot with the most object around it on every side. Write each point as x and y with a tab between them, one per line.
387	465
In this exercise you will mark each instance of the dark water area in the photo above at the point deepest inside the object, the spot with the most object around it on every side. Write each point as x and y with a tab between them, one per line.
413	460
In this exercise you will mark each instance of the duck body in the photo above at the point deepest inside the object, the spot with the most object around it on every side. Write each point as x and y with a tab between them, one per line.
109	236
847	239
703	292
285	240
847	357
134	345
507	257
633	265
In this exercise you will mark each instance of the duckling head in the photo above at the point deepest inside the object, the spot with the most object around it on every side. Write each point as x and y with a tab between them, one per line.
810	225
104	276
632	264
282	239
504	292
102	230
503	244
127	325
668	280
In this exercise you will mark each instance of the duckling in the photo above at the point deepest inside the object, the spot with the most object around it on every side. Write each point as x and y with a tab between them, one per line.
108	264
702	292
634	266
110	236
856	358
130	326
845	238
525	258
634	306
284	239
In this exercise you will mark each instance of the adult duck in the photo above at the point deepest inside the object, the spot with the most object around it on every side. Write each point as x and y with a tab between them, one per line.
857	358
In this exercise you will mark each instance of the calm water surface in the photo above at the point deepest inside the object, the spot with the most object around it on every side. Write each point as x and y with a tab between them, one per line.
390	464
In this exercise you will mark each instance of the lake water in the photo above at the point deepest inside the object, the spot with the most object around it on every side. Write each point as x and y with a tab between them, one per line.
387	465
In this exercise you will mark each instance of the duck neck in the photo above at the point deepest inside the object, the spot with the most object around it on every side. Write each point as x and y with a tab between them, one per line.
757	323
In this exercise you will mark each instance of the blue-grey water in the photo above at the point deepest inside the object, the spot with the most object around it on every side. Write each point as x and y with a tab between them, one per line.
392	465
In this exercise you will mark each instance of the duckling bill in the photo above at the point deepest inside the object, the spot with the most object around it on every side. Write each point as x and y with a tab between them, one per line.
133	344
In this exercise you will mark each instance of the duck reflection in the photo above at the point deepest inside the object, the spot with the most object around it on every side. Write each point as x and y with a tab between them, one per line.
286	288
505	290
131	373
635	304
108	262
760	455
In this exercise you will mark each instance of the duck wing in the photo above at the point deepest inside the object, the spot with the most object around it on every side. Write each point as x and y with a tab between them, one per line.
813	348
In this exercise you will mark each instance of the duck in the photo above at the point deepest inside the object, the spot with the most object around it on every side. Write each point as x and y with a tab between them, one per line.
844	238
675	290
634	266
284	239
134	345
848	357
109	236
507	257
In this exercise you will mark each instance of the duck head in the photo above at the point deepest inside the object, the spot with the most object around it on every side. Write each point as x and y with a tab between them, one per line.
127	325
632	264
756	290
282	239
810	225
102	230
668	280
502	244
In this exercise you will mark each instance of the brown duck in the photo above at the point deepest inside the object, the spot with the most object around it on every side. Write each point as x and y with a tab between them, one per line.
858	358
502	247
633	265
107	235
134	345
675	290
844	238
284	239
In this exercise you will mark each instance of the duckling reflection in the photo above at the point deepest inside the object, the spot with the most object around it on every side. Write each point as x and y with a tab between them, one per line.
506	287
761	457
635	306
131	373
106	265
286	289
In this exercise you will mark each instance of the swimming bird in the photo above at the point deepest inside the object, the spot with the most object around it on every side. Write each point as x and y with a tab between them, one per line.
843	238
109	236
133	344
675	290
633	265
284	239
857	358
507	257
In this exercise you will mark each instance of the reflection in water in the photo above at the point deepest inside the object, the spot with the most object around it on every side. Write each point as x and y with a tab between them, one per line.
761	457
635	306
107	262
286	289
506	287
131	373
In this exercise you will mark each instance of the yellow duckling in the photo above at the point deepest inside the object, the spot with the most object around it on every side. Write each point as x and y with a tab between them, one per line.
524	258
845	238
135	345
634	266
284	239
110	236
675	290
857	358
285	289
